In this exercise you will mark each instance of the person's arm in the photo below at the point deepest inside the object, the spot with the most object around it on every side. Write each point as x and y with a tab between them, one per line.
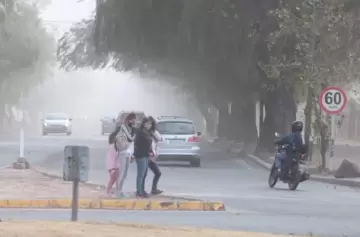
300	144
157	136
282	141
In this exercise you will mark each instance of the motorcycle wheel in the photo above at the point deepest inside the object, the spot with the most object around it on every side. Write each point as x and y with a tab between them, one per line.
273	177
295	182
293	185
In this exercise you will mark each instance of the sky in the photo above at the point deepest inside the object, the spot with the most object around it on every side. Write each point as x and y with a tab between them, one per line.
60	14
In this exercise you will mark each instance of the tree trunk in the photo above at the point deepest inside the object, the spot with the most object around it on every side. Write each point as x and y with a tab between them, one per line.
224	119
286	109
249	123
280	111
236	131
267	128
211	122
308	115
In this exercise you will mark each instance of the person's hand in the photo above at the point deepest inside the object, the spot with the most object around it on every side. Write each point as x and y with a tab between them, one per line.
132	158
151	154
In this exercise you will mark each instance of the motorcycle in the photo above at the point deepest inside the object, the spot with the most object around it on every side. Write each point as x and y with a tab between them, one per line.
292	171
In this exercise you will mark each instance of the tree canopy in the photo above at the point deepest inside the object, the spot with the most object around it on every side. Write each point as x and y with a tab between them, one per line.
26	50
227	52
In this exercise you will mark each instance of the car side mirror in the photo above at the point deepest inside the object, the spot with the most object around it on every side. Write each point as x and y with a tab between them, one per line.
198	134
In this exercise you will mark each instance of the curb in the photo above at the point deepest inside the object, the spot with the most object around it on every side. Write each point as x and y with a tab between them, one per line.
316	178
128	204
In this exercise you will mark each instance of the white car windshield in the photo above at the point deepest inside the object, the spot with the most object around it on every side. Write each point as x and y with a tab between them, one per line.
176	128
57	117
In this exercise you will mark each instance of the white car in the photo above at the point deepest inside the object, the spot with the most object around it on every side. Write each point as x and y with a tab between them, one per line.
57	123
180	141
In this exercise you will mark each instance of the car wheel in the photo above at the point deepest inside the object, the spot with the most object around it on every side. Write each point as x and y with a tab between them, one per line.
44	133
195	163
68	133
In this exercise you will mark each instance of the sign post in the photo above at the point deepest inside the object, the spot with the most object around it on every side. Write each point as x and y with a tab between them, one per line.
333	101
75	169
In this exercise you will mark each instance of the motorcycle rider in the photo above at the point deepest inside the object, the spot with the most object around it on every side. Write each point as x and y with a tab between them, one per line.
293	145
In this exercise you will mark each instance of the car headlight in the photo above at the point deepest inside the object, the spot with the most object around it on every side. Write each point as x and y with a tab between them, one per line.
45	124
67	123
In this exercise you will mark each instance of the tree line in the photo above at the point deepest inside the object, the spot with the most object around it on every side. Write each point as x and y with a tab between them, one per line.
229	53
26	51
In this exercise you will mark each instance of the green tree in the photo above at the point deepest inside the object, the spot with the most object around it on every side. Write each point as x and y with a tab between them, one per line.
316	45
205	43
221	52
26	51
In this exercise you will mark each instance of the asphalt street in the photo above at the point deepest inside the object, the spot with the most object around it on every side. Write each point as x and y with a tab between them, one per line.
316	208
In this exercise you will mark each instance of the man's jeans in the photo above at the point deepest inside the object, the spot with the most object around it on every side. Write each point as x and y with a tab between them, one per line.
279	158
142	166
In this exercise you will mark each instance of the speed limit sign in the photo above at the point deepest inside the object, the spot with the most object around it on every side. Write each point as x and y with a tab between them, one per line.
333	100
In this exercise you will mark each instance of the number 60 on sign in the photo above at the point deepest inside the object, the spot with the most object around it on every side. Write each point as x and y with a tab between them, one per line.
333	100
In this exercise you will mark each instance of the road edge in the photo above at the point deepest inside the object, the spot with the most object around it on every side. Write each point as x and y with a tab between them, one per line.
316	178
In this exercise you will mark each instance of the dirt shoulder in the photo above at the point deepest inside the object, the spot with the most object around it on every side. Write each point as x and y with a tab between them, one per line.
68	229
29	184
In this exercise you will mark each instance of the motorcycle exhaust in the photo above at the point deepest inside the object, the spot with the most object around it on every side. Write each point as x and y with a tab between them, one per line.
305	176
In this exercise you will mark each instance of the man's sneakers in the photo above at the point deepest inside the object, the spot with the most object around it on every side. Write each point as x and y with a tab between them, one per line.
144	195
156	192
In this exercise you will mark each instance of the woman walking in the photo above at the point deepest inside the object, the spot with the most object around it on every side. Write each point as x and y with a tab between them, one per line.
156	138
123	138
142	152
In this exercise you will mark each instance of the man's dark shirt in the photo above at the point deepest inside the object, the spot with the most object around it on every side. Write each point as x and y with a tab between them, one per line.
294	142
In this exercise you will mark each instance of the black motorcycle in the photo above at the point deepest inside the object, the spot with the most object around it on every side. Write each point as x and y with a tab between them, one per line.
292	171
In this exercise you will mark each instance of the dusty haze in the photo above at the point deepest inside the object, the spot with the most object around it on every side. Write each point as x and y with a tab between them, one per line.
93	94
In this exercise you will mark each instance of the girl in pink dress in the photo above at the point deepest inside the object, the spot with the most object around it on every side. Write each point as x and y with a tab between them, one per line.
112	167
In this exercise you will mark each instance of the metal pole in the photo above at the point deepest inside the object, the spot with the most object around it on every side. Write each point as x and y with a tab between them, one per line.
75	187
22	142
332	140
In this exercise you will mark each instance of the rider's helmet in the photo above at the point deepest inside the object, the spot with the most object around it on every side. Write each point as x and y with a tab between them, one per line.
297	126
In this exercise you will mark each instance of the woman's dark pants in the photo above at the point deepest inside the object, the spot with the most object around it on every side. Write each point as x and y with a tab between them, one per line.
157	174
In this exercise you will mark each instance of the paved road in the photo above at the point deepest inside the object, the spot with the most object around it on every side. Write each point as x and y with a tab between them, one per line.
257	222
240	183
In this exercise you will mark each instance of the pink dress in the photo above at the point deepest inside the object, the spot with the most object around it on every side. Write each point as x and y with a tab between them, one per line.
112	158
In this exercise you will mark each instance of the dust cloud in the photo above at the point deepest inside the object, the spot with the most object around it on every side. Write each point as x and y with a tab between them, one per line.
88	95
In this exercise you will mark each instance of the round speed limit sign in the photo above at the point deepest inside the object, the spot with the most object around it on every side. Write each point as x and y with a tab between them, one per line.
333	100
